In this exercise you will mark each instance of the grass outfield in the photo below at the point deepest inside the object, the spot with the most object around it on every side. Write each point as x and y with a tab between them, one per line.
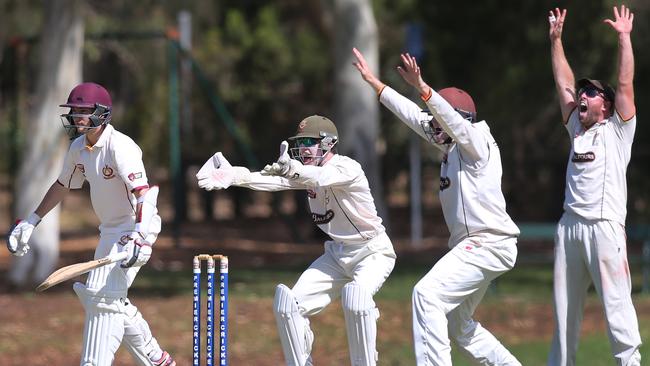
517	309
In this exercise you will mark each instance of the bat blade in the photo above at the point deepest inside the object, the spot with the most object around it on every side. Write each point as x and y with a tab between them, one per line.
77	269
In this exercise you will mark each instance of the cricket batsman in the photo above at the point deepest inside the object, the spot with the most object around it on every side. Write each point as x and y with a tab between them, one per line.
112	164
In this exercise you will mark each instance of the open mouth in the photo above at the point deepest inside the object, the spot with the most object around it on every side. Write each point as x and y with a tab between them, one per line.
582	107
307	158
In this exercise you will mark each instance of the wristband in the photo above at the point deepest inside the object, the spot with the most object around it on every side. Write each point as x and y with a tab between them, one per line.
33	219
427	96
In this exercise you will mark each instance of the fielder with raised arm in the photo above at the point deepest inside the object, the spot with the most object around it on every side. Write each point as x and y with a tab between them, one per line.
356	261
126	206
483	237
590	243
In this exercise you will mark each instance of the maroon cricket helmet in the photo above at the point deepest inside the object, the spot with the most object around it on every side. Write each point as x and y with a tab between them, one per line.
461	101
88	95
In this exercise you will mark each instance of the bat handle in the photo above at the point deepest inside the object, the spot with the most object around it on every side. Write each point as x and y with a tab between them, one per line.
116	257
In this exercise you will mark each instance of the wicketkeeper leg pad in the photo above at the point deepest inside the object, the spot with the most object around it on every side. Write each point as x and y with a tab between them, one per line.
103	328
295	334
361	316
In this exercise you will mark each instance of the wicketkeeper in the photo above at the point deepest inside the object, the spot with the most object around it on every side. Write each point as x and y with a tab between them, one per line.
483	237
356	261
112	164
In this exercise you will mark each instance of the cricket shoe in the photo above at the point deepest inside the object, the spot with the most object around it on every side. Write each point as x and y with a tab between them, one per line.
165	360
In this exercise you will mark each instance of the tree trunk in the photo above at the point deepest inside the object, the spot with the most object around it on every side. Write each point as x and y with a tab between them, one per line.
59	70
356	111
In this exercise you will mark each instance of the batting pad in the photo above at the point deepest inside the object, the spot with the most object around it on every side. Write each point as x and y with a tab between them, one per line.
138	338
361	316
103	327
293	328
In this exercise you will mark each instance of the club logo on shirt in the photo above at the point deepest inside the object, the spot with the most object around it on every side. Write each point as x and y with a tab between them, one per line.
81	168
134	176
311	194
445	182
583	157
322	219
108	172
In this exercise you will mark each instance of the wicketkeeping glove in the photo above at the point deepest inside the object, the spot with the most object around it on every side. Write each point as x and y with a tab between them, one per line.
18	238
284	166
217	173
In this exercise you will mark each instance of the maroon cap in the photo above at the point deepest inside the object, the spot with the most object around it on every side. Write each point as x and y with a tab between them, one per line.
459	99
86	95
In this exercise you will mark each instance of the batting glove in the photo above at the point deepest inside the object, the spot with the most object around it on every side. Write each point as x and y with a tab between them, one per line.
139	252
140	249
17	241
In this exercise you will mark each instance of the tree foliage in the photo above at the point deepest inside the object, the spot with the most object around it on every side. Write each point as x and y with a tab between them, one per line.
271	64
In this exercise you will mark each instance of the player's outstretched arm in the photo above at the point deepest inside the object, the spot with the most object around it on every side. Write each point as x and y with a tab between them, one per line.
562	73
411	73
622	24
406	110
366	72
217	173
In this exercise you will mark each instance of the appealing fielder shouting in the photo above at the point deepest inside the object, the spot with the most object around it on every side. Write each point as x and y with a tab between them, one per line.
483	237
112	164
590	242
356	261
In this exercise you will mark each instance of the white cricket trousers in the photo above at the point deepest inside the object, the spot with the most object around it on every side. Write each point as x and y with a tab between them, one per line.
595	251
111	319
444	301
367	264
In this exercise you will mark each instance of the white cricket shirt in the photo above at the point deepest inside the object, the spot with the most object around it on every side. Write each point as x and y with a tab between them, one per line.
339	198
114	170
470	174
596	186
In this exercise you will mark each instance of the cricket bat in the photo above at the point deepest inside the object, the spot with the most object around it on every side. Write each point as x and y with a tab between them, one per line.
77	269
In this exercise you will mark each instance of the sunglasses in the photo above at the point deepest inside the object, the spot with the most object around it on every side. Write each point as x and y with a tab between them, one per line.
306	141
591	92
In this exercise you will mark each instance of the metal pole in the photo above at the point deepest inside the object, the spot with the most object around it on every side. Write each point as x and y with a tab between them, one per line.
645	258
415	162
176	174
185	41
414	46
